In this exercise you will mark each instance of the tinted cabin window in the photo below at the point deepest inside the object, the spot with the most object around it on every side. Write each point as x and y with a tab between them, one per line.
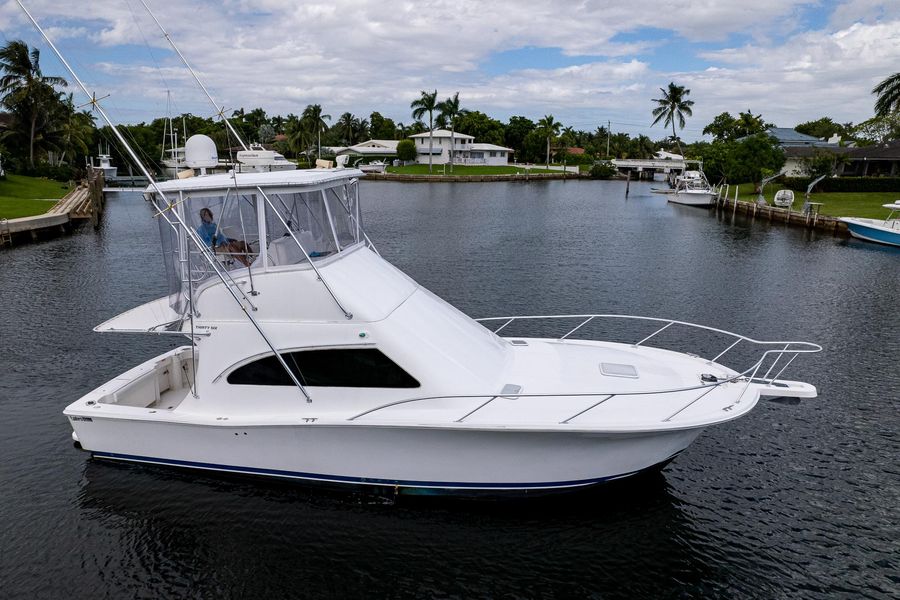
351	367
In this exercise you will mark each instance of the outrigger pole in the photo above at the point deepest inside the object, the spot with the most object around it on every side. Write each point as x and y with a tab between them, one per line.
189	232
219	110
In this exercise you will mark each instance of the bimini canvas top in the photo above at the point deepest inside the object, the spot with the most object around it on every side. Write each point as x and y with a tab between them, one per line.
298	178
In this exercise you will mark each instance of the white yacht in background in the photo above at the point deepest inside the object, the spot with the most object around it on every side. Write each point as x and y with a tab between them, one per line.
259	160
692	188
311	357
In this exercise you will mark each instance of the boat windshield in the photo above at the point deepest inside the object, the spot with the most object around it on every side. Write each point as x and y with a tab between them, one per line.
256	229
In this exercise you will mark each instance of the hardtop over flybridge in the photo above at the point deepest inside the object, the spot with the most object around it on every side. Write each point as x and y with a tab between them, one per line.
311	357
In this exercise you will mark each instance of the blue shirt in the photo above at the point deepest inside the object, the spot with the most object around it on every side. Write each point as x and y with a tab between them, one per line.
207	231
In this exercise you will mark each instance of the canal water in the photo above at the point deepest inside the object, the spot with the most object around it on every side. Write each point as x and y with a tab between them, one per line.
798	499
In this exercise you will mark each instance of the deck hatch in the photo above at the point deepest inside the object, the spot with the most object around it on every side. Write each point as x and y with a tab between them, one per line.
618	370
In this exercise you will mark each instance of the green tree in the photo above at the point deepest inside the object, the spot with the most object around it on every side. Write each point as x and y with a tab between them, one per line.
750	124
25	90
723	127
450	112
298	136
823	128
673	106
381	127
482	127
406	150
878	129
533	146
888	95
347	126
314	120
76	129
426	104
549	129
823	162
751	157
516	131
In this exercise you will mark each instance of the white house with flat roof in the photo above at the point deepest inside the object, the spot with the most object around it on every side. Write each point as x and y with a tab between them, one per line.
489	154
372	149
465	150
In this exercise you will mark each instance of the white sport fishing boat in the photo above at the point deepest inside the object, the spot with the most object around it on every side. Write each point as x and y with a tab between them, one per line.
692	188
311	357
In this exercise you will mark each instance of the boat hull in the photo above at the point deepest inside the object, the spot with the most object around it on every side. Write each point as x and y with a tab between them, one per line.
435	460
688	199
879	234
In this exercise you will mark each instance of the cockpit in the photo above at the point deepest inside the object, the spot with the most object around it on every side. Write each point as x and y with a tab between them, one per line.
258	221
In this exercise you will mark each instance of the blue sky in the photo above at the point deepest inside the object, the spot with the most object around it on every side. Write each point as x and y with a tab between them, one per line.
586	63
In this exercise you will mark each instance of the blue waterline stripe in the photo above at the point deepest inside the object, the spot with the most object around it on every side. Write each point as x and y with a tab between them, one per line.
360	480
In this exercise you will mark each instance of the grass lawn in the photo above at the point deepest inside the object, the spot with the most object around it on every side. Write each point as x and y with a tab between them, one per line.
22	196
835	204
464	170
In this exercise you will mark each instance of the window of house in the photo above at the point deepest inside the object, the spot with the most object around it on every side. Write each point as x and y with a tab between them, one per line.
493	154
335	367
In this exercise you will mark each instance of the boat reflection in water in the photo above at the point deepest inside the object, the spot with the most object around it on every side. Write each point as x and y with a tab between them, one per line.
339	544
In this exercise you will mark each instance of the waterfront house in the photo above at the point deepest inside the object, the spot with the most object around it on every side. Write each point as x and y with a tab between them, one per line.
465	150
799	148
872	161
385	150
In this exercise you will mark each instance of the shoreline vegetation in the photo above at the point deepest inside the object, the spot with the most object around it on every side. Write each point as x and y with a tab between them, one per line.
22	196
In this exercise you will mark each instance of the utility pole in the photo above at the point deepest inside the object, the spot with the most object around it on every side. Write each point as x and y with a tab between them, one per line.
608	125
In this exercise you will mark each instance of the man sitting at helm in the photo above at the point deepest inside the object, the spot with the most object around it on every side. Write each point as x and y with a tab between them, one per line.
216	240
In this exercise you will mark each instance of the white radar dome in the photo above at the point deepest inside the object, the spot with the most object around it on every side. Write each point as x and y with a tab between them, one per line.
200	152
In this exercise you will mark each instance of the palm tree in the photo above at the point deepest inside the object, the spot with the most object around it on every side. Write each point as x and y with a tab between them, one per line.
73	129
673	105
296	135
888	92
315	120
450	111
550	127
426	103
346	126
24	89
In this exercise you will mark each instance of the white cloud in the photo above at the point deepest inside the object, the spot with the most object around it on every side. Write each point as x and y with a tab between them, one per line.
362	56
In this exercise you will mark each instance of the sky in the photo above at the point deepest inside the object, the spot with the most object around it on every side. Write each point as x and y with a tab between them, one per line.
585	62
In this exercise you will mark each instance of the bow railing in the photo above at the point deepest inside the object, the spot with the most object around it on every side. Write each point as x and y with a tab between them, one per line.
774	354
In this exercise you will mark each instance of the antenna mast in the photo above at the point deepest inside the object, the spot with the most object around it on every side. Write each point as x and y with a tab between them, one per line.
219	110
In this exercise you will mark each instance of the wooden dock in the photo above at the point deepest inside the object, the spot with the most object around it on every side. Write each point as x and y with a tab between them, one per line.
81	205
794	218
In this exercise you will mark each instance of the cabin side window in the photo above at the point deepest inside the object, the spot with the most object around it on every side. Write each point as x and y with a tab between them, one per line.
338	367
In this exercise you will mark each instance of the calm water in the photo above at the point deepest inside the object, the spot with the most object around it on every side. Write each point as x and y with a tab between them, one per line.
797	499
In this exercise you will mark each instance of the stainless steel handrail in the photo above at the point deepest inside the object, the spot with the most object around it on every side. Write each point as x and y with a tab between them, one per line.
667	323
748	376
